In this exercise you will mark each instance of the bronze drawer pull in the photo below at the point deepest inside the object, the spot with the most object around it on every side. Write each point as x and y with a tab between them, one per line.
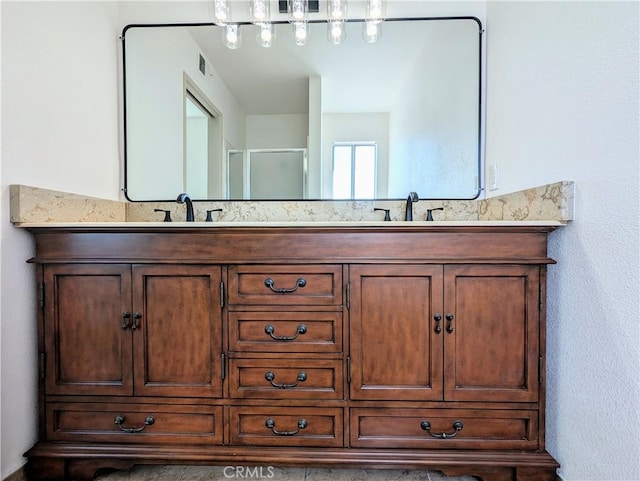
457	427
270	376
271	424
284	290
121	419
269	329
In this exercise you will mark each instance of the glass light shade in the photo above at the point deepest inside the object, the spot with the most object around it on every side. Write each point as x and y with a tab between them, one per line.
374	10
337	9
300	33
298	10
259	11
336	32
266	35
372	30
232	36
220	12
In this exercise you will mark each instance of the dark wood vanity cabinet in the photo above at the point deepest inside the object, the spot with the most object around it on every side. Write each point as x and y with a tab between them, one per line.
419	347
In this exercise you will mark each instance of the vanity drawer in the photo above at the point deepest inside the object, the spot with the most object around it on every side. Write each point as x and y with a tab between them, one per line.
134	423
286	379
444	428
286	426
289	331
318	285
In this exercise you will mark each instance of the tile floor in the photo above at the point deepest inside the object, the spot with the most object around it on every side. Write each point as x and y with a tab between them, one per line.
231	473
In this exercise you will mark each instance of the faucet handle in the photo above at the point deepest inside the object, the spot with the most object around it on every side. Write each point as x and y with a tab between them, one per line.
387	217
209	219
430	212
167	214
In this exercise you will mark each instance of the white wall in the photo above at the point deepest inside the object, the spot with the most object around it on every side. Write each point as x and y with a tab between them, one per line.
563	105
59	130
288	131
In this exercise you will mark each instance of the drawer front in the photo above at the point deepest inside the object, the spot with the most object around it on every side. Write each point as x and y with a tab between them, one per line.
318	285
444	428
286	379
134	423
286	426
290	331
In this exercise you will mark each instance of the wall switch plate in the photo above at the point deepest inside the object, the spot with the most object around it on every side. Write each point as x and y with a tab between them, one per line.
492	177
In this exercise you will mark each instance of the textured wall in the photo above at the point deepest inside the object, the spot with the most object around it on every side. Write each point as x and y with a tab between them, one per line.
563	103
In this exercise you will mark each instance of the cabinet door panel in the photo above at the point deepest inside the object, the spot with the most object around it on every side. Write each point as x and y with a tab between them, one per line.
87	349
177	349
396	353
492	352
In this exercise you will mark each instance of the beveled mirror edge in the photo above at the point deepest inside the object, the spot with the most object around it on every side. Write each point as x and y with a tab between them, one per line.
480	133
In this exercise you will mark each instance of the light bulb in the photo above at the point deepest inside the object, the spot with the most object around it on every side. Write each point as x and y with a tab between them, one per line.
220	11
337	9
336	32
265	35
259	11
372	31
232	37
300	33
374	10
298	10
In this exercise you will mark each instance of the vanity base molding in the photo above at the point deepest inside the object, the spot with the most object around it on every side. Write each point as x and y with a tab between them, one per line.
57	462
361	347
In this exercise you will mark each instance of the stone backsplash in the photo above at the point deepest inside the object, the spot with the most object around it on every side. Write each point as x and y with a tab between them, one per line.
37	205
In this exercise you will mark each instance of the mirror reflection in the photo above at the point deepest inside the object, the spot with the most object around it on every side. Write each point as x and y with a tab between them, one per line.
357	120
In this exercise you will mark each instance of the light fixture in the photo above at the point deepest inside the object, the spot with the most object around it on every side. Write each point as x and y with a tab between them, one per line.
220	12
336	31
266	34
232	36
300	33
259	11
298	15
298	10
372	30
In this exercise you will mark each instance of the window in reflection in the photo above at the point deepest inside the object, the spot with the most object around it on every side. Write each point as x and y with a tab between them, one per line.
354	170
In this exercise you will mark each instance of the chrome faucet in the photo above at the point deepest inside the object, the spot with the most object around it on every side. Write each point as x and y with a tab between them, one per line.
408	213
185	199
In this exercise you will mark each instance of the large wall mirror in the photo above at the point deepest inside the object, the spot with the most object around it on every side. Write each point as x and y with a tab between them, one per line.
321	121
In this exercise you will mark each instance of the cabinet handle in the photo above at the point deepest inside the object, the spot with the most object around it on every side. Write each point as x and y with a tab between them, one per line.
270	376
121	419
271	424
437	318
269	329
449	323
136	317
284	290
125	320
457	427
